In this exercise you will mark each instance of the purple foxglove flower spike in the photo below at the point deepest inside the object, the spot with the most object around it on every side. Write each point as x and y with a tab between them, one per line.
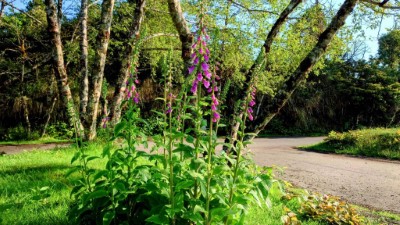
191	69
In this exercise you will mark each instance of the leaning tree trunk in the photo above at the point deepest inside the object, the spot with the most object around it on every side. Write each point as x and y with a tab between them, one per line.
59	67
98	71
185	35
84	60
252	72
305	66
115	112
46	124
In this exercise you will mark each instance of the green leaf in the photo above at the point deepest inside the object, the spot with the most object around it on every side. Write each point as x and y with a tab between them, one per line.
184	185
97	194
75	157
157	219
108	217
119	127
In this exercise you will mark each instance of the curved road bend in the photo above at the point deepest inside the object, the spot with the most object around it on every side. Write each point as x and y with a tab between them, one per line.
368	182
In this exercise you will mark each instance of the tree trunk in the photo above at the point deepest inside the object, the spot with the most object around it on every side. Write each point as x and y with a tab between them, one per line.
185	35
2	6
59	67
84	60
305	66
49	116
252	72
115	113
98	71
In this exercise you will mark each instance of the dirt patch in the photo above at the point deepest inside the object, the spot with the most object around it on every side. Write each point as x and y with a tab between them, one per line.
13	149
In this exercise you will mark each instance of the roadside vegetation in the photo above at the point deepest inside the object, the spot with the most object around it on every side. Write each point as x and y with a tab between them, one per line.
376	142
36	190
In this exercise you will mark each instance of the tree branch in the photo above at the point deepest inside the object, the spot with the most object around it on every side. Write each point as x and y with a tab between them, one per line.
159	35
4	3
306	65
381	4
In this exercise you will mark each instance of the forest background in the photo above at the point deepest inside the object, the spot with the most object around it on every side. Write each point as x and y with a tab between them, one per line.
343	91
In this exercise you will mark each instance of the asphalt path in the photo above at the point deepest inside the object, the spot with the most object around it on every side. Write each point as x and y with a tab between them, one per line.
364	181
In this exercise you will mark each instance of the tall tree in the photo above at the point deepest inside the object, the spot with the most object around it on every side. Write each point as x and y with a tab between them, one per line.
185	35
305	66
96	83
84	60
134	36
58	62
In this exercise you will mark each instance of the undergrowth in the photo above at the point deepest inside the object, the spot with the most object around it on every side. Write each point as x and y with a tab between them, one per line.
377	142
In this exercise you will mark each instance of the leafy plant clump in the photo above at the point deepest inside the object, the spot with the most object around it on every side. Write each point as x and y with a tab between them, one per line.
327	209
378	142
184	179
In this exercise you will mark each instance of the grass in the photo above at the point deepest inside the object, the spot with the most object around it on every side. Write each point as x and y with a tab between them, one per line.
377	143
44	140
34	190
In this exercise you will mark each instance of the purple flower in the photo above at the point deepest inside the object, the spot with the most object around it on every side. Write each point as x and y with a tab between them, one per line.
206	83
199	77
215	88
194	87
252	103
169	109
251	118
136	98
196	61
137	81
193	55
191	69
213	107
216	117
207	74
204	66
206	58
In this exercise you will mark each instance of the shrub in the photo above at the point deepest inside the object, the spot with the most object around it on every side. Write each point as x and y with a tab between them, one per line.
329	208
378	142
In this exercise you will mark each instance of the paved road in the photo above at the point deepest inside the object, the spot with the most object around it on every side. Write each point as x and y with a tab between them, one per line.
368	182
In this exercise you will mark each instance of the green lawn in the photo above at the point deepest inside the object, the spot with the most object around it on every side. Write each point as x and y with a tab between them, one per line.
35	190
377	142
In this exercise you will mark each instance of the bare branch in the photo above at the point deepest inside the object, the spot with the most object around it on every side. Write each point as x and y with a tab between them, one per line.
160	35
381	4
252	10
161	49
20	10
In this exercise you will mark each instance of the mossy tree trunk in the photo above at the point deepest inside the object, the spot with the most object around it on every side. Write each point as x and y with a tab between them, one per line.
134	35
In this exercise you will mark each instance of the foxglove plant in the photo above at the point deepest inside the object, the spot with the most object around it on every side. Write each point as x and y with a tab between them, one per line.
185	188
